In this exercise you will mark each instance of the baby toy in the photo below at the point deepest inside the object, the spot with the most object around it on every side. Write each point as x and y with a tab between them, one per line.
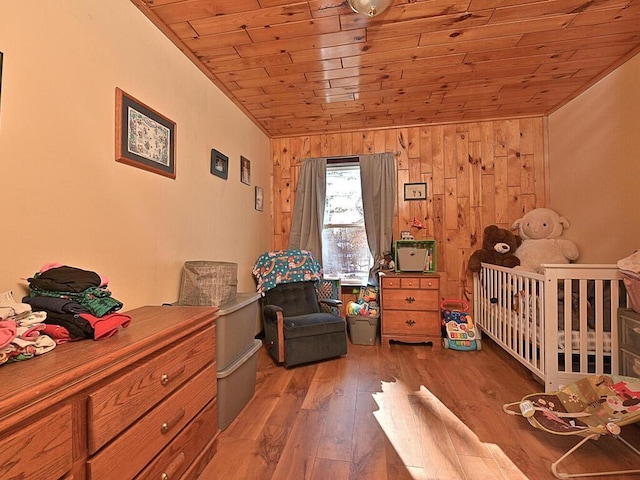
498	245
458	331
541	231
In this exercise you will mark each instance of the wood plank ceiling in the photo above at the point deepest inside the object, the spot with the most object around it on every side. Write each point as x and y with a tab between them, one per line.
314	66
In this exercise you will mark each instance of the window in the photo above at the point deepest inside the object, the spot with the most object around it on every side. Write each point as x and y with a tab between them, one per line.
345	251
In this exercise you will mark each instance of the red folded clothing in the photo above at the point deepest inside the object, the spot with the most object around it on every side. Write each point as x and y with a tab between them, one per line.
107	325
58	333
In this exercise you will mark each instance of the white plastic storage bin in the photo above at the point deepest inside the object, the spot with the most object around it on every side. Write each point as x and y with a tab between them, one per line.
236	385
235	328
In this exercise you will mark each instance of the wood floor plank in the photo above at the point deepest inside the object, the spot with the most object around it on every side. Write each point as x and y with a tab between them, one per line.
404	412
324	469
299	453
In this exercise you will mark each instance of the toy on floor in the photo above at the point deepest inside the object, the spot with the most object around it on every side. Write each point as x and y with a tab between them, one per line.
458	330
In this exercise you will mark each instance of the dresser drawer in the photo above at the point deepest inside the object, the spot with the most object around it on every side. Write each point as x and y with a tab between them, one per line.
122	401
185	448
402	299
629	332
154	431
40	449
411	323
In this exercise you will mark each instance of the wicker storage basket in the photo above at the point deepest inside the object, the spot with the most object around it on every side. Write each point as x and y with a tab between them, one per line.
208	283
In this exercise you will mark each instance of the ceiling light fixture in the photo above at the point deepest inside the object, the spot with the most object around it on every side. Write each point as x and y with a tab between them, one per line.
371	8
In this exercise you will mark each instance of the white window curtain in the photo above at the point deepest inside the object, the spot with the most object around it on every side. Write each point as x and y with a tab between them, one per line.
378	179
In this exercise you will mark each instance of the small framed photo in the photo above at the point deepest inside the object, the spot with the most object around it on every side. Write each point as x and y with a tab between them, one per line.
219	164
245	171
259	199
415	191
144	138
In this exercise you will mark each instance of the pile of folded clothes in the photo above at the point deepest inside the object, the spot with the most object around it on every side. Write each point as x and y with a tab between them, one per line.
75	300
23	335
64	304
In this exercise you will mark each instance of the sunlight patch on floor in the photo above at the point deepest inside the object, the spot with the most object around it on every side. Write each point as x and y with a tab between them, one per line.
432	442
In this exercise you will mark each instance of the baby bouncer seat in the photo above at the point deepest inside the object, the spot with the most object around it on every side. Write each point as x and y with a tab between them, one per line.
590	407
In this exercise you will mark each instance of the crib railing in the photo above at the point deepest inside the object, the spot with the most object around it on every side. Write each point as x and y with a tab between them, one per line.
506	307
524	312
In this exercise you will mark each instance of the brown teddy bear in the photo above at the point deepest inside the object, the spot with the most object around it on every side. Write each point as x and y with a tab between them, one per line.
498	245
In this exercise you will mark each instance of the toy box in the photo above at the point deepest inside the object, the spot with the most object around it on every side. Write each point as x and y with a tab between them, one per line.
415	255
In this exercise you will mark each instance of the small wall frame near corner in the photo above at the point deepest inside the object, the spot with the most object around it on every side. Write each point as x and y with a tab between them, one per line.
259	199
219	164
415	191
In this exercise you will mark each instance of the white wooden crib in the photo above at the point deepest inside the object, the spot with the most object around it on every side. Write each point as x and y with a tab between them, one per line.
528	314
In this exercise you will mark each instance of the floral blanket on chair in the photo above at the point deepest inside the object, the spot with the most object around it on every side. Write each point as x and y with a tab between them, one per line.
285	266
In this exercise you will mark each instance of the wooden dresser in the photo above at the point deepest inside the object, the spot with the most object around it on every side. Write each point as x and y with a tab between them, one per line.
141	404
410	308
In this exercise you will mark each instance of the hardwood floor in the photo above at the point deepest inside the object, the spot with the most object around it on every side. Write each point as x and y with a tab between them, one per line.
407	412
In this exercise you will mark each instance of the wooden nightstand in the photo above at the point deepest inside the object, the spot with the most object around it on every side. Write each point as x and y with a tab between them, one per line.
629	344
410	308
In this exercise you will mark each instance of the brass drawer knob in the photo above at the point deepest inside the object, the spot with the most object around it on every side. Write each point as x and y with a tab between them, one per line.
166	426
410	322
409	299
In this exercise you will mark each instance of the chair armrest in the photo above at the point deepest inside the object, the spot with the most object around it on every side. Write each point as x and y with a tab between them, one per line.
271	312
332	302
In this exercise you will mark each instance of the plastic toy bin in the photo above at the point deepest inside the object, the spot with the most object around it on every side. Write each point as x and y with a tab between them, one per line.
236	355
415	255
236	385
363	330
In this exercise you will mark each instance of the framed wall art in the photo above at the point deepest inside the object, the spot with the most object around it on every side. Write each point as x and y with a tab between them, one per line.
415	191
145	138
219	164
245	171
259	199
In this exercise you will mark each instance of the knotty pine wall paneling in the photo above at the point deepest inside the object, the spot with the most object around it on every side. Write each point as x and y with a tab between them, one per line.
477	174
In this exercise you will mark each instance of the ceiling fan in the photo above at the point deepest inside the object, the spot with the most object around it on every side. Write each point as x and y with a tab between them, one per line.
370	8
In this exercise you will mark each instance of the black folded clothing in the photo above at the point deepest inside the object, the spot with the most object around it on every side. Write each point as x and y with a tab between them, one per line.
78	327
54	304
65	279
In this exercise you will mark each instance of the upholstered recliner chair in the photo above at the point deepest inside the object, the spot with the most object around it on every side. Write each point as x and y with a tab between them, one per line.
296	328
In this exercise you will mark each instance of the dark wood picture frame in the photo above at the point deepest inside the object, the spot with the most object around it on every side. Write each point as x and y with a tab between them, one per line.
219	164
415	191
145	138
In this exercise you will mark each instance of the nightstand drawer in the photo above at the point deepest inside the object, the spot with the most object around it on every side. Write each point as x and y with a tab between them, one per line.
411	323
410	300
118	404
154	431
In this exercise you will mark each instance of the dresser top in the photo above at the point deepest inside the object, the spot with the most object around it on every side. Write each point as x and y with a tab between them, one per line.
72	366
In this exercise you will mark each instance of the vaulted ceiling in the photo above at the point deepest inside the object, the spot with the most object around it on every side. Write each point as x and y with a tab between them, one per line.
315	66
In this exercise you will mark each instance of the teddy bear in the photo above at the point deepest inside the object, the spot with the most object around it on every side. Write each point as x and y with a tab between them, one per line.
541	231
498	245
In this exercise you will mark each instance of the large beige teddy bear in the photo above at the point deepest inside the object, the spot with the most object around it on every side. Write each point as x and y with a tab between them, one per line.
541	233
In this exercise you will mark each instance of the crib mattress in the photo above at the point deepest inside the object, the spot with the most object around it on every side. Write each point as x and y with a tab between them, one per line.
591	341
